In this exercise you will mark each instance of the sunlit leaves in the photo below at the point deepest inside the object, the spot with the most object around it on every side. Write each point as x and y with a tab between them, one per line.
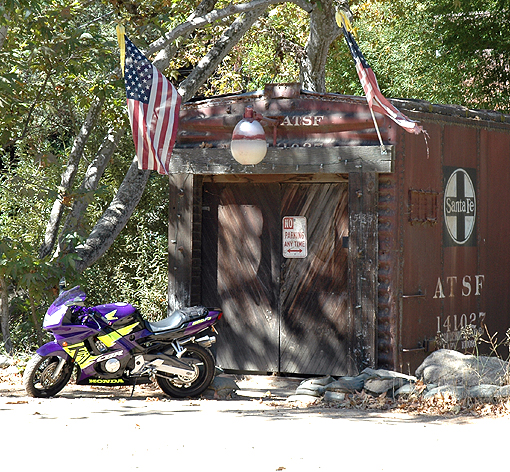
441	51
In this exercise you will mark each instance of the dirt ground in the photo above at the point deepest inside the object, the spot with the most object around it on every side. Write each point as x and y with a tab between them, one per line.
257	430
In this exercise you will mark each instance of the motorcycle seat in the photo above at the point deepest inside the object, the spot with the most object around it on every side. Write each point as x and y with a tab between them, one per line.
178	318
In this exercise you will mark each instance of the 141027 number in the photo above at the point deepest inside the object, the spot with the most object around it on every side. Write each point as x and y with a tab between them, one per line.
458	322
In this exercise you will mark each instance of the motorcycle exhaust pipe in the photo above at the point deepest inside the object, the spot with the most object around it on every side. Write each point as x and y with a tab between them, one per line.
206	341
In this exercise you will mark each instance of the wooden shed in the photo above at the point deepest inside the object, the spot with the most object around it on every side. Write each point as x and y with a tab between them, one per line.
336	253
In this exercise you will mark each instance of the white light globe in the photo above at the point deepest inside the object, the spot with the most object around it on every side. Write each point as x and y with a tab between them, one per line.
248	145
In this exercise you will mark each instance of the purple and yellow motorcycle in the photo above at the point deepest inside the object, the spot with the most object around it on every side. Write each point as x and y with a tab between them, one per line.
113	344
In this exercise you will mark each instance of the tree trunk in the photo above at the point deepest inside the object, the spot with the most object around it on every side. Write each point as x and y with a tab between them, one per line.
323	31
68	177
37	326
114	218
4	315
91	181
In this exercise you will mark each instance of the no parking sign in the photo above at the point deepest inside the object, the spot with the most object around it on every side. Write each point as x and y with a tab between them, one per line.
295	243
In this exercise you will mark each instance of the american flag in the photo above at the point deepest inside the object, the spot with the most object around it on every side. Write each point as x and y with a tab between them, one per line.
153	108
375	98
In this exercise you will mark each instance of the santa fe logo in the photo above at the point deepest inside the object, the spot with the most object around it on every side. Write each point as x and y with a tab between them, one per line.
460	206
295	244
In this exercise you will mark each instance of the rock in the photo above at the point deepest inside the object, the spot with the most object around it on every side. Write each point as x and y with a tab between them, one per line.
5	362
323	381
314	387
386	374
223	387
311	390
502	392
379	381
379	386
347	384
407	389
447	367
458	393
331	396
483	392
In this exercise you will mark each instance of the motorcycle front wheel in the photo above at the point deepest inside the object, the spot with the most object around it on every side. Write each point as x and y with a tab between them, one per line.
39	380
183	387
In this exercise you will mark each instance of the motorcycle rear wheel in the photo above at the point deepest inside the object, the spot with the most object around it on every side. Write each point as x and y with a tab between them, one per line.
179	387
38	377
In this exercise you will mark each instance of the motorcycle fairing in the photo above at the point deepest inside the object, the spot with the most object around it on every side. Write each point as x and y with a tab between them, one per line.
114	381
52	348
82	356
115	311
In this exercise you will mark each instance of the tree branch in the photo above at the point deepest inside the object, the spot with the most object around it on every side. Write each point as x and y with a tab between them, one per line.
114	218
68	177
210	61
196	22
91	180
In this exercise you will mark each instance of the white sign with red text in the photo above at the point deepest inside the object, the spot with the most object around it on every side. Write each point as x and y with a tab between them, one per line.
295	244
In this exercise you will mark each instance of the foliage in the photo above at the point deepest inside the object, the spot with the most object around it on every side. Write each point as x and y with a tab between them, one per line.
134	269
34	280
425	50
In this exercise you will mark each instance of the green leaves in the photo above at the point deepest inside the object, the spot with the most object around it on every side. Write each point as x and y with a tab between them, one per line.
440	51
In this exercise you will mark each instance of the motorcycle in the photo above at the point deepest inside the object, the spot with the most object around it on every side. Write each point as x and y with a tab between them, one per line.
113	344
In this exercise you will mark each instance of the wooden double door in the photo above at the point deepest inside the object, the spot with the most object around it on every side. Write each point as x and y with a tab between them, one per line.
285	315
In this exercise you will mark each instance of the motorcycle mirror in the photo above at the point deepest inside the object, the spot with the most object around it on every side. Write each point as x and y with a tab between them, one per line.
76	301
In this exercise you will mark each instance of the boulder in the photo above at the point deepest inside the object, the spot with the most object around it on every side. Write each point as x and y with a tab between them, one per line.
347	385
386	374
5	362
502	393
447	367
445	391
331	396
407	389
483	392
379	386
222	387
379	381
311	390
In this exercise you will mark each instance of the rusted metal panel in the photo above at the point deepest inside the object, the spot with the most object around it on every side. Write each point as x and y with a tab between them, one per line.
305	119
493	233
454	267
421	247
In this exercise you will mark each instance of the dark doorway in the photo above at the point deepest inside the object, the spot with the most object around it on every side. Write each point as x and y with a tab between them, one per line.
281	315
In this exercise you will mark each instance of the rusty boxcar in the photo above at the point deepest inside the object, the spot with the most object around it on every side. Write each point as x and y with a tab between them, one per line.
406	243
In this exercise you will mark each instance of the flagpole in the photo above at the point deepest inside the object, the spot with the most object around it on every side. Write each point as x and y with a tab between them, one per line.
343	22
383	149
121	31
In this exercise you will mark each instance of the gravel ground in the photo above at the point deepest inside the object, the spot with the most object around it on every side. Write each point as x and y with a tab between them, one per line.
255	430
